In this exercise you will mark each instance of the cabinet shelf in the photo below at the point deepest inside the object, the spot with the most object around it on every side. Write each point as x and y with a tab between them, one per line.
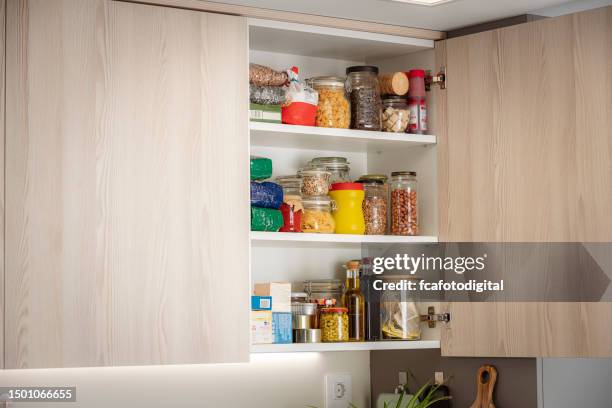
357	346
298	238
319	138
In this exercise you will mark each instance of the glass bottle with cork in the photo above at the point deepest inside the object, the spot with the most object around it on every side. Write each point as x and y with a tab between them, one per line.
353	300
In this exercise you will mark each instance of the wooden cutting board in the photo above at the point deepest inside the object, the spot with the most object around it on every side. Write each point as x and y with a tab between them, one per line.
485	382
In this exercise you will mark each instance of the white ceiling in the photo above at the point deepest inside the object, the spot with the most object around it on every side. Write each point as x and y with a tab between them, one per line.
444	17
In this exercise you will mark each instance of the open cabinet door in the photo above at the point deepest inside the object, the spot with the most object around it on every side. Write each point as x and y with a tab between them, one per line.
525	155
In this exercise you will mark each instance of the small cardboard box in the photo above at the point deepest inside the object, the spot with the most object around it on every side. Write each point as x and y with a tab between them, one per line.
280	293
265	113
261	302
261	327
282	328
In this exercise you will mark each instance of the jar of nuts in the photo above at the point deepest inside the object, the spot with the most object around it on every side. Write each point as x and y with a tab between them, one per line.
374	206
395	114
317	216
334	324
315	181
404	203
333	110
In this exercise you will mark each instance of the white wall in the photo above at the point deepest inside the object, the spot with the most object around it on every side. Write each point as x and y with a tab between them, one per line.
269	381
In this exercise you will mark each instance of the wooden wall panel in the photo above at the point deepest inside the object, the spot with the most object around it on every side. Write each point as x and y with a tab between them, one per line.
127	200
2	160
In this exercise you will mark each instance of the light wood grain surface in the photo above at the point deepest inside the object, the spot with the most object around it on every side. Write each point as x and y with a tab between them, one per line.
526	155
2	106
334	22
127	202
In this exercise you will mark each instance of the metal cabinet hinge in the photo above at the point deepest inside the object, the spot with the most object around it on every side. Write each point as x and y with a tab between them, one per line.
432	318
439	79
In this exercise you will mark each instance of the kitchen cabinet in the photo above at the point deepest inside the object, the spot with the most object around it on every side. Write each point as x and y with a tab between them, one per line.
2	88
524	148
127	233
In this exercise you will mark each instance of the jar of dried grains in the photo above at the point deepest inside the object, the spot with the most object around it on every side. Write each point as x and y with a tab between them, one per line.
364	91
404	203
374	206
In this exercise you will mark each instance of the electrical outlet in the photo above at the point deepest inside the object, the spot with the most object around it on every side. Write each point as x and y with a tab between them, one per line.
338	390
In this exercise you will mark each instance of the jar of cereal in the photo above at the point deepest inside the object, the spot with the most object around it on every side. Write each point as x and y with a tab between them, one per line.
333	110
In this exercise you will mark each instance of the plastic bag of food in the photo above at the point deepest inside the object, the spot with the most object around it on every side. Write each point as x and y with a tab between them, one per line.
261	75
266	194
267	95
261	168
300	107
266	219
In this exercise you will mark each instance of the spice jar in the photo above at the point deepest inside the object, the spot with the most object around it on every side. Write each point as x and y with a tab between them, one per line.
317	216
364	91
374	206
315	181
348	211
395	114
333	109
334	324
291	208
399	315
404	203
338	167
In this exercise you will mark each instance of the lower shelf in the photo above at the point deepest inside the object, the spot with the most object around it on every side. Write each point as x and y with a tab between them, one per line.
357	346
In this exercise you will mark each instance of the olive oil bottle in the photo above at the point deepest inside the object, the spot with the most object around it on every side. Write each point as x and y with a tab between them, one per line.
353	300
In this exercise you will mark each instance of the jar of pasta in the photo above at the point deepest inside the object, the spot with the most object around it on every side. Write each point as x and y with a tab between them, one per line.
317	215
333	110
334	324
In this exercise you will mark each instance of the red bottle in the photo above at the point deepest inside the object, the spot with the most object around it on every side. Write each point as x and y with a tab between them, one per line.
417	103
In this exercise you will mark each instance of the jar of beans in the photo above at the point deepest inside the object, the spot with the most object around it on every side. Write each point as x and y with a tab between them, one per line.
395	114
333	109
404	203
315	181
364	92
374	206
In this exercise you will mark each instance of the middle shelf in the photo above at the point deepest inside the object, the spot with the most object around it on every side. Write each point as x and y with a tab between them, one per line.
349	346
297	238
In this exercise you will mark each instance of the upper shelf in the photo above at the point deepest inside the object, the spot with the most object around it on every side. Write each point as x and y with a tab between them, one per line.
319	138
326	42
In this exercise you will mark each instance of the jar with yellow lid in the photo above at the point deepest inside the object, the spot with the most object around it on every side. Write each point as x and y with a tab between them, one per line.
333	109
348	211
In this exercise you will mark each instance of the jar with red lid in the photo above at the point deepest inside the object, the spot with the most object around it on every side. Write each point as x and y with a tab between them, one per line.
334	324
348	208
417	102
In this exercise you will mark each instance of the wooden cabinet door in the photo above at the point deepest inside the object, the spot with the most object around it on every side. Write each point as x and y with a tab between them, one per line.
127	234
525	155
2	100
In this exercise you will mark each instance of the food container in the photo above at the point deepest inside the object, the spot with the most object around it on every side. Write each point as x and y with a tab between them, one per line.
299	297
322	290
395	83
317	216
301	321
395	114
348	211
333	109
338	167
404	203
315	181
399	314
291	208
364	94
334	324
307	335
374	205
304	308
417	102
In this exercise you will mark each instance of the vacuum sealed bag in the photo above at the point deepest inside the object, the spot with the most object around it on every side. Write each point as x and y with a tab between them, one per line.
267	95
300	107
266	219
261	168
261	75
266	194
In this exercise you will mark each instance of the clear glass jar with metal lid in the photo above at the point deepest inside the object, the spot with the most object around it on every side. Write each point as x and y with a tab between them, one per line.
338	168
291	184
364	95
333	109
315	181
404	203
317	216
395	113
399	314
291	208
374	206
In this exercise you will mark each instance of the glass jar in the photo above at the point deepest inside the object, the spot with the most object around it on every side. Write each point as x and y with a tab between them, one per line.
322	290
374	206
354	301
399	315
395	114
364	93
334	324
348	211
291	208
317	216
338	168
315	181
404	203
333	109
